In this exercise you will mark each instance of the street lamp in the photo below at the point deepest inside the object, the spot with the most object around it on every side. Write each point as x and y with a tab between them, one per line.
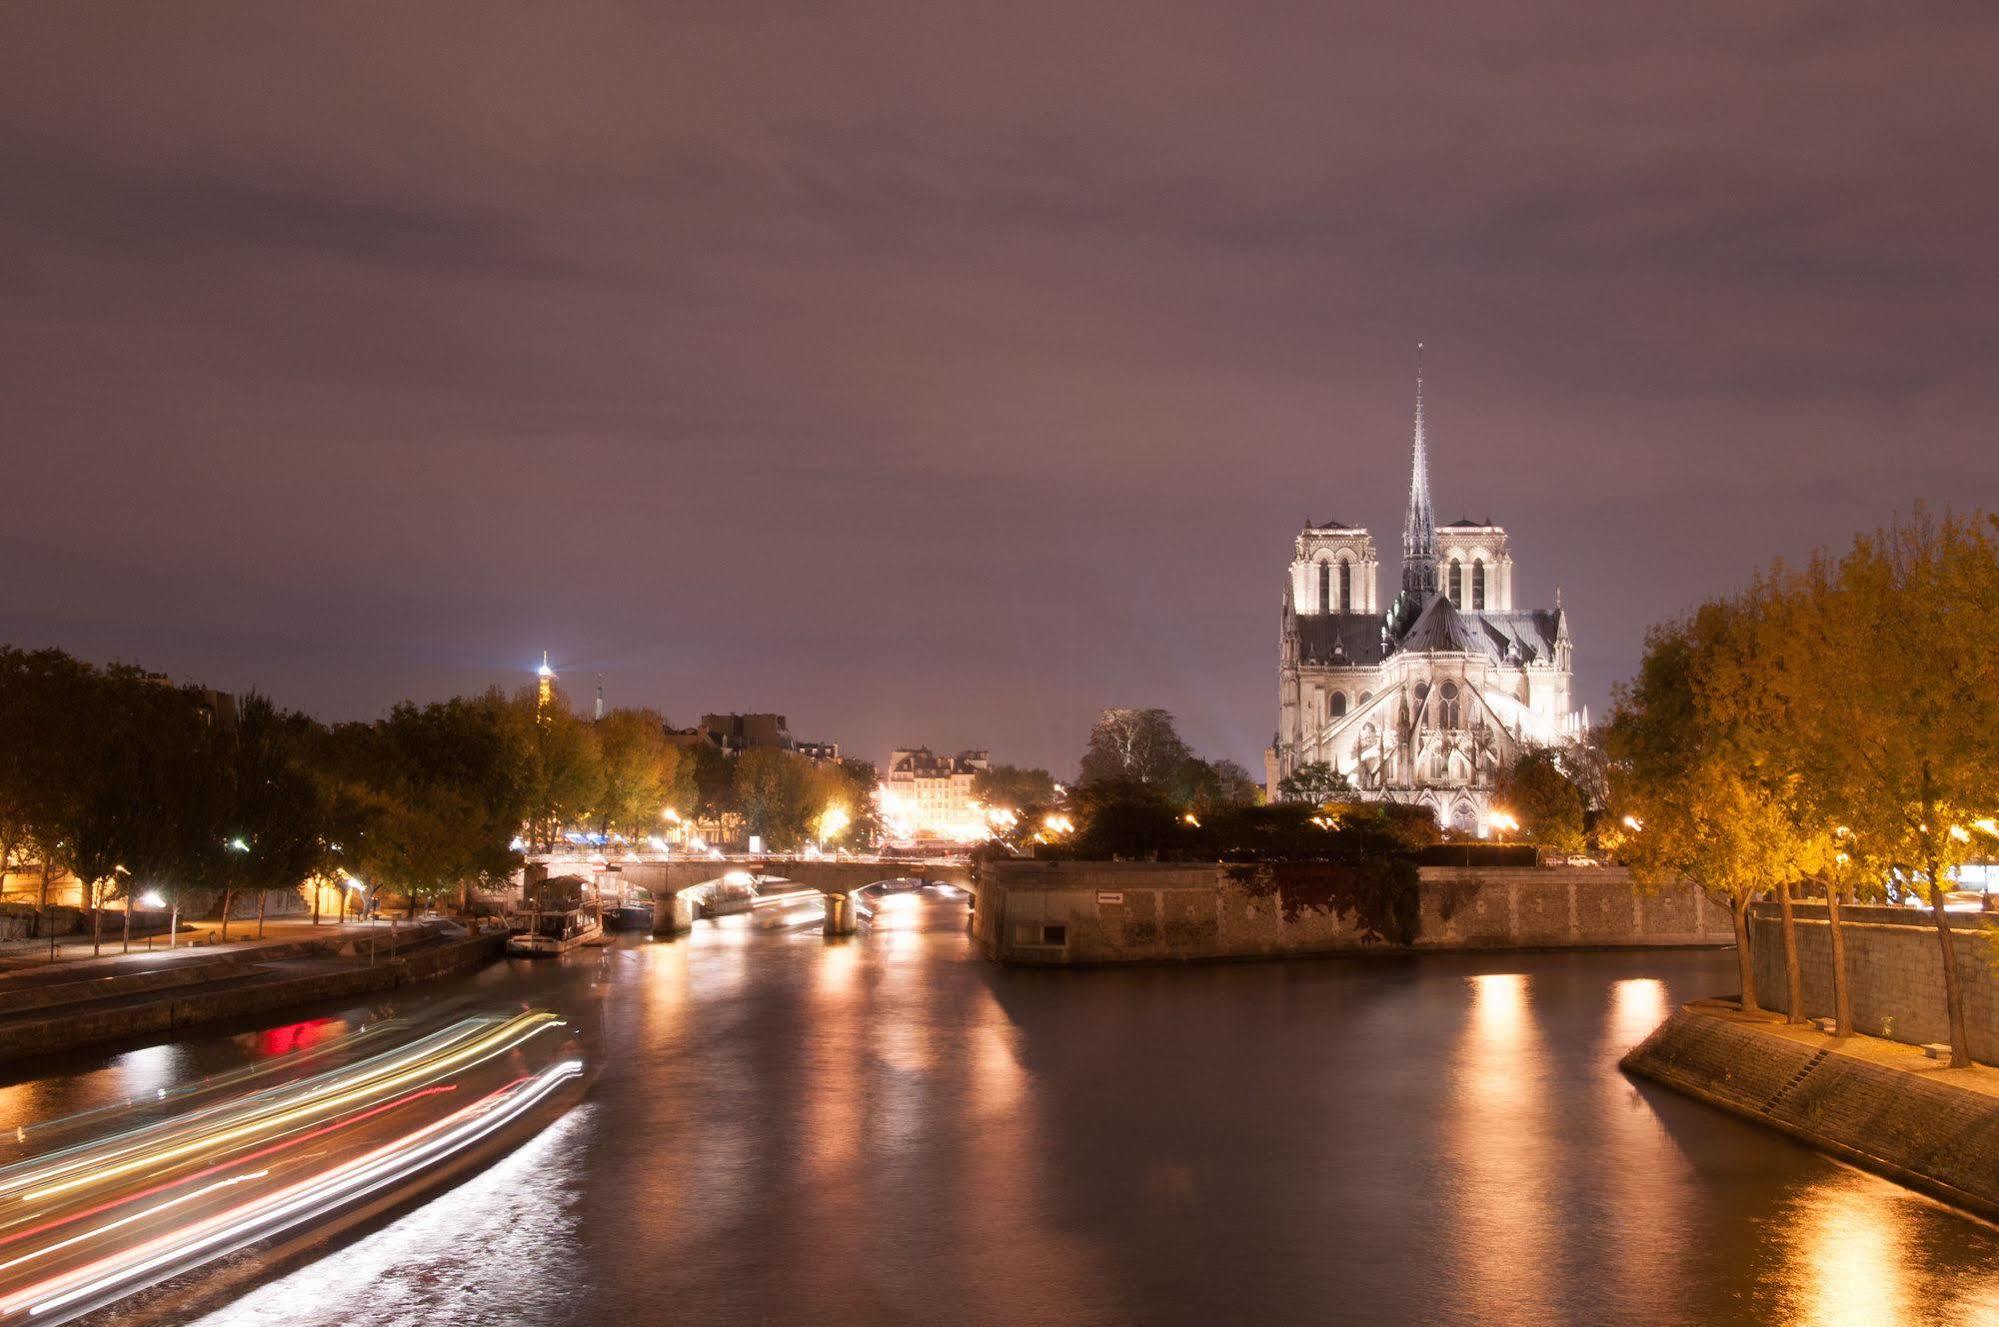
150	899
97	917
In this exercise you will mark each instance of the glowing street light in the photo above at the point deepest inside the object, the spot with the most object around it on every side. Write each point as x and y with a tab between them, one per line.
237	845
1634	824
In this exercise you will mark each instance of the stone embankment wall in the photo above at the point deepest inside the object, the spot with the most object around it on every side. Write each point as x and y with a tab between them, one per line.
1925	1133
1894	969
1122	912
41	1019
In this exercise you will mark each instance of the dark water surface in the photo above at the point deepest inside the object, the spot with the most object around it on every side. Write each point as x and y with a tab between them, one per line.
889	1131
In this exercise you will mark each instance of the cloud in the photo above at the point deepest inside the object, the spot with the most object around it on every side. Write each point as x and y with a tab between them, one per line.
939	372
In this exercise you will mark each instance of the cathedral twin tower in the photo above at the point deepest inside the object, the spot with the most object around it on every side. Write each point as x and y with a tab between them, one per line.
1427	701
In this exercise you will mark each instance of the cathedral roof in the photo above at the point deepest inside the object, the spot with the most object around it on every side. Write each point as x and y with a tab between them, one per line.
1442	628
1339	638
1528	636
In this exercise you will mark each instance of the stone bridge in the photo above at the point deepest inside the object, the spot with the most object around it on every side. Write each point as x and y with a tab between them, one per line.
678	884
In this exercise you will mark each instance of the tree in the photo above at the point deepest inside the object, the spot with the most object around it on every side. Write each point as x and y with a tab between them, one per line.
1137	746
47	700
1679	772
1127	820
841	804
565	771
1901	728
430	798
640	773
774	791
1013	787
1748	646
712	776
273	815
1313	782
156	796
1208	786
1542	797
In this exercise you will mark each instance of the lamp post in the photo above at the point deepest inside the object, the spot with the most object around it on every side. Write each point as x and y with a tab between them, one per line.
238	845
97	914
117	871
151	898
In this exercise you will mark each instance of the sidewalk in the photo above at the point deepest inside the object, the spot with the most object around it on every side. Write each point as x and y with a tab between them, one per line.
196	939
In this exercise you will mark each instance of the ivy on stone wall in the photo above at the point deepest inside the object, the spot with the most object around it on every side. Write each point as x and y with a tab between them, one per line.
1377	896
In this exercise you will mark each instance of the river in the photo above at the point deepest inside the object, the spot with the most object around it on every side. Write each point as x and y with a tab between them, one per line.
887	1130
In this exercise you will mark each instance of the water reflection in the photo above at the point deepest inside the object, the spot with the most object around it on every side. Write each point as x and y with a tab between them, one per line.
1648	1185
1498	1133
1637	1005
1843	1265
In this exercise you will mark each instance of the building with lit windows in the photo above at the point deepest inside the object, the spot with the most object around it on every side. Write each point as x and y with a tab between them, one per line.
1427	700
926	796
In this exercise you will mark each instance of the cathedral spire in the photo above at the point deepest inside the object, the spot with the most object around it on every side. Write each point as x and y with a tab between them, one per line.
1419	528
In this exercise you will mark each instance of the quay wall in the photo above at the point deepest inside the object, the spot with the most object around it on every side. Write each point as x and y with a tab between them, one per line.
1894	969
232	990
1056	913
1915	1128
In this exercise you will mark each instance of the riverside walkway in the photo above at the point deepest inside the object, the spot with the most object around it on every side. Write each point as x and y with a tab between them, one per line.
1879	1104
57	1006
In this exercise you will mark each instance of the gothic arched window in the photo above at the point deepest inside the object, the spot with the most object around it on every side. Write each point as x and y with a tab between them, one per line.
1457	584
1325	587
1339	704
1478	585
1448	710
1346	585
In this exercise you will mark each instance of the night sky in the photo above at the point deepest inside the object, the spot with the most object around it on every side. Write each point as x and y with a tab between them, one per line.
942	374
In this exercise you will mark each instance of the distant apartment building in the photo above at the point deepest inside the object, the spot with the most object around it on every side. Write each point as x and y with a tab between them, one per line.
926	796
733	734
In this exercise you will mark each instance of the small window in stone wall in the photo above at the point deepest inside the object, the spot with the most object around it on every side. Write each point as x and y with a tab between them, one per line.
1054	935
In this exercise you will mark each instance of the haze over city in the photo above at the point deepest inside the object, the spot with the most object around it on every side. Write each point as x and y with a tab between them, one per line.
945	374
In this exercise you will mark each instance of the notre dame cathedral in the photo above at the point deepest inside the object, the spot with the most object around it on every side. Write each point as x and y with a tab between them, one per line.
1427	701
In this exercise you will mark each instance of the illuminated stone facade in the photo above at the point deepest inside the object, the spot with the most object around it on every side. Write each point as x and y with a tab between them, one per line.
1426	701
926	797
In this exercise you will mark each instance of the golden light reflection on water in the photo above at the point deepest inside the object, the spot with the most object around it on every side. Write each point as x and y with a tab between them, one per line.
1637	1005
1843	1265
1498	1132
1649	1183
835	1113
